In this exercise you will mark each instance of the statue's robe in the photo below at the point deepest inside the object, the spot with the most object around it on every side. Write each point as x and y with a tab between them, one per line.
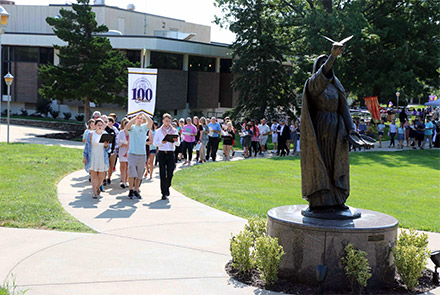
325	123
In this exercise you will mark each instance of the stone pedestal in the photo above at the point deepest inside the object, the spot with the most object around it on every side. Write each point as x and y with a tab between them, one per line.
309	242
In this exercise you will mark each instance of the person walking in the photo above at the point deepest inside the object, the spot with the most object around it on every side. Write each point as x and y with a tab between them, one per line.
407	131
380	132
111	129
95	157
214	138
122	140
204	138
429	127
166	154
153	150
255	138
264	135
401	135
392	132
274	129
246	135
283	135
196	122
189	132
294	136
228	137
90	127
420	129
227	120
137	129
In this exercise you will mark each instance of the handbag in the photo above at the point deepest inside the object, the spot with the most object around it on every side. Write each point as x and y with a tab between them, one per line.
197	147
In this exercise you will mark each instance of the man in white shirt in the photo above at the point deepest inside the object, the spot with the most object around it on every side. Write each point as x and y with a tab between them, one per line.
166	154
274	129
264	134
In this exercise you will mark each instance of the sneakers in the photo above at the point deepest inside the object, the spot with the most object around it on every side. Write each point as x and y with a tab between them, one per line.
102	188
109	181
131	194
137	195
122	185
164	197
104	182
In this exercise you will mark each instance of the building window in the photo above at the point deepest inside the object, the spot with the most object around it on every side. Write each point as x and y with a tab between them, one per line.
201	63
11	54
26	54
46	55
164	60
41	55
225	65
133	56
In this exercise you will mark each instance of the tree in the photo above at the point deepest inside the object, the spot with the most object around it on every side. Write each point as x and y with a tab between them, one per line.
89	70
396	45
262	81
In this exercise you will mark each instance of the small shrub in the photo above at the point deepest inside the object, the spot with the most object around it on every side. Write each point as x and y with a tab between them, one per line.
356	266
36	115
54	114
67	115
43	106
79	117
241	251
257	228
268	255
411	255
7	289
23	112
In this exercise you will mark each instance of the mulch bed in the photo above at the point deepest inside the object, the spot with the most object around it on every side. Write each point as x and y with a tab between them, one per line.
253	278
70	135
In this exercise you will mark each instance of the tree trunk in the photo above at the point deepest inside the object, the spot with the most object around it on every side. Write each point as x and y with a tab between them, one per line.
328	5
87	113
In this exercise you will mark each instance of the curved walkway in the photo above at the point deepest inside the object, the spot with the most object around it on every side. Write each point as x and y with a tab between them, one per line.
146	246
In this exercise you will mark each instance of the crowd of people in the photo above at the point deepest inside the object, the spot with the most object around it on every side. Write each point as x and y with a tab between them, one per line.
411	131
140	144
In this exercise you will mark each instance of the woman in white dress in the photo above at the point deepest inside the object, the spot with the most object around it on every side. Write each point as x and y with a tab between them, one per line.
122	141
96	157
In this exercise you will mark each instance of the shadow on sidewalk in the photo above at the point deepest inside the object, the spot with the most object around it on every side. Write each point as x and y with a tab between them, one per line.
159	204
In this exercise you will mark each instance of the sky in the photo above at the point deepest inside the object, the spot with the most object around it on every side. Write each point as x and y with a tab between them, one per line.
194	11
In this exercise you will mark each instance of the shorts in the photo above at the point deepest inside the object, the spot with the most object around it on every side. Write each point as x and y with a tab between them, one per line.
263	140
275	138
136	165
400	136
380	132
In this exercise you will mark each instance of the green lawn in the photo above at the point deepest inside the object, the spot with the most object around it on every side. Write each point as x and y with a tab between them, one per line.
403	184
28	194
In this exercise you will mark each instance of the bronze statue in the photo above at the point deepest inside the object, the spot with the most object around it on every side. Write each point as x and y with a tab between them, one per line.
325	127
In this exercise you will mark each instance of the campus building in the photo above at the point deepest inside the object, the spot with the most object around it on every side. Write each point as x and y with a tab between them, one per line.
194	74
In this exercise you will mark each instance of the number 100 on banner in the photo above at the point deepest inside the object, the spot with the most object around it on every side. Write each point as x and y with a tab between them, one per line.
141	91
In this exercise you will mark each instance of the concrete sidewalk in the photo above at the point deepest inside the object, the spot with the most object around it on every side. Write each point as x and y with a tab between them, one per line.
25	134
147	246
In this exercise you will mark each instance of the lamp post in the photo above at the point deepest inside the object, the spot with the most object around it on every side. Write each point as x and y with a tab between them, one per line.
397	95
8	80
4	16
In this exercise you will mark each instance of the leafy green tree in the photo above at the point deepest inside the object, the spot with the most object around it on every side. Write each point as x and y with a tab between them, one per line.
262	80
89	70
395	46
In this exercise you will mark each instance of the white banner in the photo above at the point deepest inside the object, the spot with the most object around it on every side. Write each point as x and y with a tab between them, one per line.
141	91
